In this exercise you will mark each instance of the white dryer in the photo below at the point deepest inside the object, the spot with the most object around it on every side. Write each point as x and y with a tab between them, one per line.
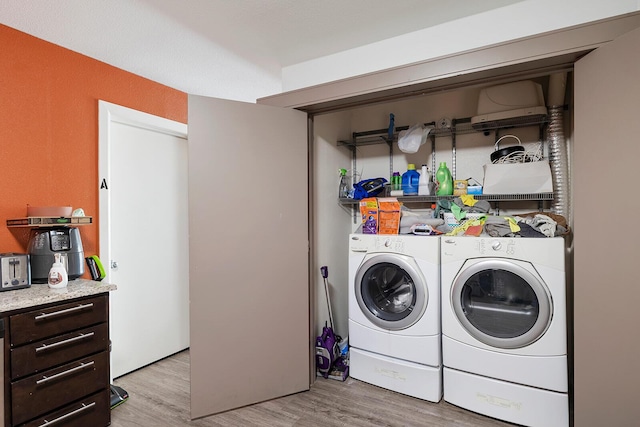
504	328
394	313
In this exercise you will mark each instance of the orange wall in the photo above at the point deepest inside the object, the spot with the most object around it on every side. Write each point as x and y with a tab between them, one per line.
49	128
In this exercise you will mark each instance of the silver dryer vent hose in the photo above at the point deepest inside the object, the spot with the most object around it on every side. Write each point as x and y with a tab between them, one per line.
558	161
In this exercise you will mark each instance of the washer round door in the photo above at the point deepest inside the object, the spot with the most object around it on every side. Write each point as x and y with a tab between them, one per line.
501	303
391	291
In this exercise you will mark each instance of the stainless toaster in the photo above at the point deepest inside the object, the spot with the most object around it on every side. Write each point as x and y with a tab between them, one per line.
15	271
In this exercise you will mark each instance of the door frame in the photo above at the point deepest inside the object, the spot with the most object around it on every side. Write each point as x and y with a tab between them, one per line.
108	114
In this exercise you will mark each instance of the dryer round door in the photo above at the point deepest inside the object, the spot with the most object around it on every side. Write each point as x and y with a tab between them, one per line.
391	291
501	303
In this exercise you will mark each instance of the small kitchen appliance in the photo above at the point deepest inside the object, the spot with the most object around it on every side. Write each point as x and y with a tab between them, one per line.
44	243
15	271
95	267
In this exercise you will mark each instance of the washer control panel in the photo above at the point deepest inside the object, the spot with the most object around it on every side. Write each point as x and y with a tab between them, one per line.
376	243
388	243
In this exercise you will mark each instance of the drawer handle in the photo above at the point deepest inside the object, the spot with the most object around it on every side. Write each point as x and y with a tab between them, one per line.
70	414
65	311
63	342
65	373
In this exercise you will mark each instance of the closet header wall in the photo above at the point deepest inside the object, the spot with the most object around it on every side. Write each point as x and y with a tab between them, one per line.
529	57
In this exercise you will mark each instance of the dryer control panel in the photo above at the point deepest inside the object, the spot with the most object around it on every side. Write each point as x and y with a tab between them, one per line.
495	246
549	251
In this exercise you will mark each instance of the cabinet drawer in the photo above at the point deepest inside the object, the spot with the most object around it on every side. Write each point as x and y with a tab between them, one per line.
52	389
44	323
36	357
91	411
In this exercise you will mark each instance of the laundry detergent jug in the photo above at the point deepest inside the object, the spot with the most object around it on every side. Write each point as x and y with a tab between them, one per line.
445	181
410	180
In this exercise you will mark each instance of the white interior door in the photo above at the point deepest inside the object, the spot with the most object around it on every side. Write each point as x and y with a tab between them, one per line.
144	236
249	254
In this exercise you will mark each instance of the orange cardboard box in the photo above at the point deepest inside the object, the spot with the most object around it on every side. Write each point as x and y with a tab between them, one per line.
388	215
369	214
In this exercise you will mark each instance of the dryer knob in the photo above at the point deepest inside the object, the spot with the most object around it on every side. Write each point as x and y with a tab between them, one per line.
387	243
496	246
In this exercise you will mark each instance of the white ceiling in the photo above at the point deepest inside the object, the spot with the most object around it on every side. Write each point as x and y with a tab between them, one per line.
188	43
292	31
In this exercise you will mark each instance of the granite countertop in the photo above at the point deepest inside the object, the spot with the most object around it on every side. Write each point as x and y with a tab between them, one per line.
39	294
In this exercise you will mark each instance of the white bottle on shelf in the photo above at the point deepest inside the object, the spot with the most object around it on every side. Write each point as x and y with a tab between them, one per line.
58	274
423	183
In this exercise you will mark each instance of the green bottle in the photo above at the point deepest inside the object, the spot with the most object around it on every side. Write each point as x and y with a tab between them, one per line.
445	181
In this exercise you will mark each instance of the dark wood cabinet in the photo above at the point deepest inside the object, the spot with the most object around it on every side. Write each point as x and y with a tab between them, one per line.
51	321
93	410
57	364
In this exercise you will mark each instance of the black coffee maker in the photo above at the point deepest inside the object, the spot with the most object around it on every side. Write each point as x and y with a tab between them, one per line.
45	242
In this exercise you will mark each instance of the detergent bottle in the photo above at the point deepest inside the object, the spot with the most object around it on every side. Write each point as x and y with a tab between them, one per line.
423	183
445	181
410	180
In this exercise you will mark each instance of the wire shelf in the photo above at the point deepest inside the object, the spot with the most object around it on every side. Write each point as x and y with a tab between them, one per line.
487	197
458	127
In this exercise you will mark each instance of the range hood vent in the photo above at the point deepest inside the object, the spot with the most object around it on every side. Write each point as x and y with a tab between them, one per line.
511	104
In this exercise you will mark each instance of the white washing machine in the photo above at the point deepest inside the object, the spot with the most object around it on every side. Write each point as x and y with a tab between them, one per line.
504	328
394	313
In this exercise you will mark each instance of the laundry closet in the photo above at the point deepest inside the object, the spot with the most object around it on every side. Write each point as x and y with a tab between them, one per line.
369	154
464	149
601	64
601	94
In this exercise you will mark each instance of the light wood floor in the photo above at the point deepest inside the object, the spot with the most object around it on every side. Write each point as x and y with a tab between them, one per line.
159	397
